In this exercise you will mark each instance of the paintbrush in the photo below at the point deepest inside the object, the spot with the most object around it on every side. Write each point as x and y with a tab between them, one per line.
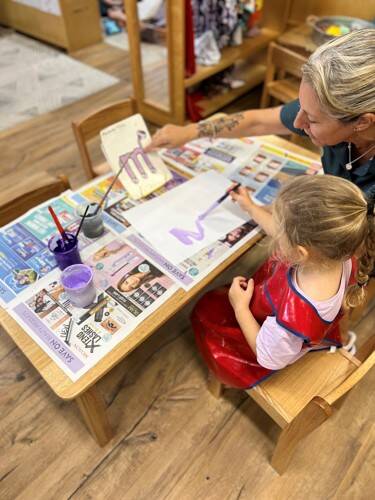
227	193
109	189
220	200
81	223
61	230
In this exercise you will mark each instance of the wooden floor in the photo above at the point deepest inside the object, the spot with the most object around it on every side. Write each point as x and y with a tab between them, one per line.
173	439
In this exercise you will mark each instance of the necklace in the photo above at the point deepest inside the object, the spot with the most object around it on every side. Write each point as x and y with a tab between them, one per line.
349	166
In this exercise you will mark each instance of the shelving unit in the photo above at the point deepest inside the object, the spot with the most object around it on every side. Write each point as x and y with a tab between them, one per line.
75	25
251	55
230	55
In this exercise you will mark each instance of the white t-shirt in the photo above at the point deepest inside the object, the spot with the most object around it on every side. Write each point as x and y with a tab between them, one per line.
277	347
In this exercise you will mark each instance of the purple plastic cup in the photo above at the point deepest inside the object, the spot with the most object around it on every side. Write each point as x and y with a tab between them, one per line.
78	282
66	252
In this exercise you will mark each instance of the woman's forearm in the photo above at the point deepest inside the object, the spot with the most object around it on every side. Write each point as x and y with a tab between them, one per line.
247	123
249	326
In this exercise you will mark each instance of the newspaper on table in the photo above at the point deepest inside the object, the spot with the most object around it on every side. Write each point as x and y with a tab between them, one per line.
258	165
24	254
129	288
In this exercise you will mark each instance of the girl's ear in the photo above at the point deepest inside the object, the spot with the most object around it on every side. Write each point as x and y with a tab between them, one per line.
303	253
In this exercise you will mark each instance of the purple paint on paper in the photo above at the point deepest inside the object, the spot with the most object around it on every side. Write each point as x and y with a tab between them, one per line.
164	264
134	155
188	237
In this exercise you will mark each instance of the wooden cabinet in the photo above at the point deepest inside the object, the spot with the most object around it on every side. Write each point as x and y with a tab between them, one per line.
76	26
250	56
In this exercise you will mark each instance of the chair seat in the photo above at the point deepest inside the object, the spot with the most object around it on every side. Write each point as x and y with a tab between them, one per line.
285	90
288	391
101	169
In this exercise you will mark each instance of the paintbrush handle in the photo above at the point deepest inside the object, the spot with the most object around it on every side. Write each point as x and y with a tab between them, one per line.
109	189
225	195
58	224
81	223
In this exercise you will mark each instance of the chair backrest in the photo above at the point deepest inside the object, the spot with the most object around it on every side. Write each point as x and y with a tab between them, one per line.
284	61
283	74
19	193
90	126
357	375
322	374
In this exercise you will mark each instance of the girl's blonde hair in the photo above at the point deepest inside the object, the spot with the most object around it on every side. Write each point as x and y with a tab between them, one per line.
328	216
342	74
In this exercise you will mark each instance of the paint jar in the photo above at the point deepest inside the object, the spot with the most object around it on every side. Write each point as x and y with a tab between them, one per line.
78	282
93	226
66	252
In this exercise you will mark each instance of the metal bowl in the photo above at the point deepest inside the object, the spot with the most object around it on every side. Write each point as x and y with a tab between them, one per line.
319	26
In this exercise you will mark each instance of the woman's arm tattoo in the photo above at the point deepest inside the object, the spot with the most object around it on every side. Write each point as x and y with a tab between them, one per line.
214	127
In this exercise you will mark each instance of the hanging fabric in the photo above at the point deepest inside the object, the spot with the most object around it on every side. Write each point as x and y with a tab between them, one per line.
218	16
189	40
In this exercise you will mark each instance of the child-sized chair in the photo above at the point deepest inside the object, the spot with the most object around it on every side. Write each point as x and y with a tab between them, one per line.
283	75
301	396
23	192
89	127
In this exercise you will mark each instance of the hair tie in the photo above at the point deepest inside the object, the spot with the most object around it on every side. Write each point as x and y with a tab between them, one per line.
361	285
370	207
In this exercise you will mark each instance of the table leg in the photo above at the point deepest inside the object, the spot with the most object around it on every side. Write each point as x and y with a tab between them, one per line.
93	411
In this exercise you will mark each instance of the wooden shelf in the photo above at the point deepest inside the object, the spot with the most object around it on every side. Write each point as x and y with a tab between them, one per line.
273	20
252	74
230	55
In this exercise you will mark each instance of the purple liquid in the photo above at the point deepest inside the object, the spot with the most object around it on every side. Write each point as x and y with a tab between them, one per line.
78	283
77	280
188	237
66	252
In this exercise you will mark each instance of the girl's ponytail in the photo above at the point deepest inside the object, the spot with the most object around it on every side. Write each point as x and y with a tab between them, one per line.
355	294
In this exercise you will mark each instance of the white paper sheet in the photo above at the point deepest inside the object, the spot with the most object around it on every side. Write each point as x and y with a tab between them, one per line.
180	209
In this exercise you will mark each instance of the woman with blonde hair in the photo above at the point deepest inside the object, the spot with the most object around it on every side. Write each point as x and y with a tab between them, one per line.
336	109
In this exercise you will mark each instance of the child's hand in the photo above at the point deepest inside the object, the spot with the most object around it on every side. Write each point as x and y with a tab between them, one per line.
240	293
241	196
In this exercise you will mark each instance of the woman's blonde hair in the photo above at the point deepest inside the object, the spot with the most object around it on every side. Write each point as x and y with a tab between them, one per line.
342	74
328	216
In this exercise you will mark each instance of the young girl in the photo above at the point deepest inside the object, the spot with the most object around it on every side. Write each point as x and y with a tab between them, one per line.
293	304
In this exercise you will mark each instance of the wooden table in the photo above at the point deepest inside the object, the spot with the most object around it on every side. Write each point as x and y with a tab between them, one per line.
84	390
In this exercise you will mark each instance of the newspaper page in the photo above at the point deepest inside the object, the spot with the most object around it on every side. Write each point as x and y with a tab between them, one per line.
129	288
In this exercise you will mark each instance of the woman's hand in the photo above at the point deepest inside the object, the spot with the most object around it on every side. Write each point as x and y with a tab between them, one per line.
241	196
240	293
172	136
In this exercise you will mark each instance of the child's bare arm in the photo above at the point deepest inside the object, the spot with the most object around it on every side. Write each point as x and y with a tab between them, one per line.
261	215
240	294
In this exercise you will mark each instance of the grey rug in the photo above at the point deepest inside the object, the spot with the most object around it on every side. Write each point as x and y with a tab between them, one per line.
151	52
35	79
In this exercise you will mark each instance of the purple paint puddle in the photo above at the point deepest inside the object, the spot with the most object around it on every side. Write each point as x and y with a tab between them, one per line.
187	237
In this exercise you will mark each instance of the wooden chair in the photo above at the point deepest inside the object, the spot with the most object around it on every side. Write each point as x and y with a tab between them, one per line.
90	126
300	397
19	192
283	75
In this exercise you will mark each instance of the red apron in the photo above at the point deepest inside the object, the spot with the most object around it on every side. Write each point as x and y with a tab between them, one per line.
222	343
